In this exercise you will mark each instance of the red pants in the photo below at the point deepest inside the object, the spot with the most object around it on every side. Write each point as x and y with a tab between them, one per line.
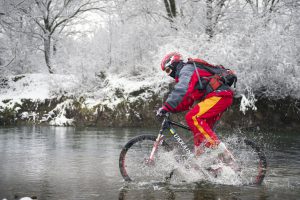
204	115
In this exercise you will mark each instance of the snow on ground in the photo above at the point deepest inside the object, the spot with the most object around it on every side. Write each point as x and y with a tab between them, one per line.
123	87
36	86
61	118
47	86
110	91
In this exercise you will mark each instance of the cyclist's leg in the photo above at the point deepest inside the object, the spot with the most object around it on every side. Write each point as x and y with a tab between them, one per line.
198	136
212	122
208	119
203	116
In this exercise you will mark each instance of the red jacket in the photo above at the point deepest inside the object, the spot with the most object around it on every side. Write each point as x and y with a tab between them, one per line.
187	89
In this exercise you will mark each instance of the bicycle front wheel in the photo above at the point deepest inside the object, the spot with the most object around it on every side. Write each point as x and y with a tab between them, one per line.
134	160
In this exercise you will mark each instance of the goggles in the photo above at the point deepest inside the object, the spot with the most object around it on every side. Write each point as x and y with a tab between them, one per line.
168	70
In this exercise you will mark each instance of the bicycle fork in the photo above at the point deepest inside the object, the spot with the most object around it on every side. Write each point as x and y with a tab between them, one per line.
155	147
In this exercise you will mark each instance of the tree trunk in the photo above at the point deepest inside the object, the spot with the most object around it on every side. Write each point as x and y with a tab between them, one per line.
171	8
209	18
47	52
54	48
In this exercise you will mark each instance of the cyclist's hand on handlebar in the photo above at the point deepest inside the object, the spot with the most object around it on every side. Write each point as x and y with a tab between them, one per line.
161	112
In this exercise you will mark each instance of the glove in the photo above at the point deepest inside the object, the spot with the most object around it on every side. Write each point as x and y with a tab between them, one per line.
161	112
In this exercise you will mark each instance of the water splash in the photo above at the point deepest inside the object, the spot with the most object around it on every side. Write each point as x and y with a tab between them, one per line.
199	169
248	101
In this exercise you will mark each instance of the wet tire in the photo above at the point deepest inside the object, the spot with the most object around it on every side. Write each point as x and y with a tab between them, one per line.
250	161
133	154
262	162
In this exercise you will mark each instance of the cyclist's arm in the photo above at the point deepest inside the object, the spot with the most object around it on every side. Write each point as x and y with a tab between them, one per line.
180	92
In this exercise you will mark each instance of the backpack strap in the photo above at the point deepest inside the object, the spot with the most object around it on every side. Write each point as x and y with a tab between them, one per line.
199	80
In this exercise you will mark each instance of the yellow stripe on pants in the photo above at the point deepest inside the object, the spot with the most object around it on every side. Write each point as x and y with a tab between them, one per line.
204	106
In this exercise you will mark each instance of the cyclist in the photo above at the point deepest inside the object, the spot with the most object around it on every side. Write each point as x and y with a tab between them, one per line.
209	104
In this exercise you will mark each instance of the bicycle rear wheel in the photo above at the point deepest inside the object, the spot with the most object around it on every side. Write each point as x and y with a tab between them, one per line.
251	160
134	156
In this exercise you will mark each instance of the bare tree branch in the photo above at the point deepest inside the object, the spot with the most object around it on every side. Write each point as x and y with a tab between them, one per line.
72	16
15	55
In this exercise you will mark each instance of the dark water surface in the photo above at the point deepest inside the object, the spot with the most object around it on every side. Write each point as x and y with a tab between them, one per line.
69	163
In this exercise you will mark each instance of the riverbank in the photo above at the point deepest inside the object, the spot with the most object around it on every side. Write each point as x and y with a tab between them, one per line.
64	111
61	100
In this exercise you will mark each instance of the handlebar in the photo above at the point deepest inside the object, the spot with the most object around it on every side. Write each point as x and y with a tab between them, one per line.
167	122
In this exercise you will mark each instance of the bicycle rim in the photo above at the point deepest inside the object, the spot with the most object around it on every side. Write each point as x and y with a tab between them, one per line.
134	164
252	161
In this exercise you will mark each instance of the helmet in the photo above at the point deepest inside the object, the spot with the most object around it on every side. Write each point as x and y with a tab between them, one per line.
170	59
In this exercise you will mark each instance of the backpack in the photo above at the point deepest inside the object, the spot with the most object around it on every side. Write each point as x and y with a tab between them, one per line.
220	75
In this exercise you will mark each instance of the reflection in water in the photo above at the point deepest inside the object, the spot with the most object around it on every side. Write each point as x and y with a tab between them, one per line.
150	192
70	163
202	191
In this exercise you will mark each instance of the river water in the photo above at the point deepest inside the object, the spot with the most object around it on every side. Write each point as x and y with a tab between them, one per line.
71	163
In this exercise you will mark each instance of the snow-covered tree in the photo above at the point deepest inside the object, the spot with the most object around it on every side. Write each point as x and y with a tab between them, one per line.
45	19
258	39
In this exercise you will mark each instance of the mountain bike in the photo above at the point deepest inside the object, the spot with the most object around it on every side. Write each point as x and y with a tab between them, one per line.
151	158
